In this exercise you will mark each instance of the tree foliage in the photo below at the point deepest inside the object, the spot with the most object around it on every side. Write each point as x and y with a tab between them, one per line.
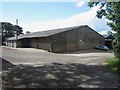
27	32
110	10
9	30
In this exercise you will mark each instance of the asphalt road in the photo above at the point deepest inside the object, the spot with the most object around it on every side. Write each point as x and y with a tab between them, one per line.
37	56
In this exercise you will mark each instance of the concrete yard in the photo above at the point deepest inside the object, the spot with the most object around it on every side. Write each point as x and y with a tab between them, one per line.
38	56
41	69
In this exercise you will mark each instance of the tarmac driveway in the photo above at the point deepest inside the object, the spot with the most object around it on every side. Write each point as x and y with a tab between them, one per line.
37	56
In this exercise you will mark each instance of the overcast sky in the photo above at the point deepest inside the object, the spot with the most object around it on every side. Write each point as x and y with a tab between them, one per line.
40	16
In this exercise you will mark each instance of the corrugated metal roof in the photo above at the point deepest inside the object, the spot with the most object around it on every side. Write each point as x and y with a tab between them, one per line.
107	36
44	33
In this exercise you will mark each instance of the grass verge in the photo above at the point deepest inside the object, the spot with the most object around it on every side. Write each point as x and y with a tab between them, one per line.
113	64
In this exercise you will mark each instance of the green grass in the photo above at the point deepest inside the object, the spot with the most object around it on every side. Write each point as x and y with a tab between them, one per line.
113	64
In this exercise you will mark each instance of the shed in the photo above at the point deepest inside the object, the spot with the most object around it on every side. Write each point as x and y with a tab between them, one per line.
60	40
109	41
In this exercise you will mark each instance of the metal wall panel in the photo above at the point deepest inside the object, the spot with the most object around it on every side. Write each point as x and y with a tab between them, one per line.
59	42
81	43
71	40
88	38
43	43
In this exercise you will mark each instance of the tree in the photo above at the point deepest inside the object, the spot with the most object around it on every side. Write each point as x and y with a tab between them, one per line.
27	32
110	10
9	30
0	39
19	29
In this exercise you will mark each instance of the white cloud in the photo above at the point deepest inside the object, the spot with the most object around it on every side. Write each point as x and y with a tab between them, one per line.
103	32
86	18
80	4
106	32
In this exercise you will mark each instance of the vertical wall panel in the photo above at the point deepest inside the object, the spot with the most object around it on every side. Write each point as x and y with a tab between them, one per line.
71	40
59	42
43	43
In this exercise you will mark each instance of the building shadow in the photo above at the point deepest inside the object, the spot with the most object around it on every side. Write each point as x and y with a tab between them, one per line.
4	64
59	75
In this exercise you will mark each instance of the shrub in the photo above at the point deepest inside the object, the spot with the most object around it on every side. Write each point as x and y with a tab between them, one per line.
113	64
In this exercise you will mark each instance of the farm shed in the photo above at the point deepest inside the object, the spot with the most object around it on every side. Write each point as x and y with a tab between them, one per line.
109	40
60	40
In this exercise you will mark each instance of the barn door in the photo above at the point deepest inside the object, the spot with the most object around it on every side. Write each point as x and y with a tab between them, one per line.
81	45
58	47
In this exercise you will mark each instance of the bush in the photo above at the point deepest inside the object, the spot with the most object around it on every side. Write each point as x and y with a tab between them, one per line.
113	64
